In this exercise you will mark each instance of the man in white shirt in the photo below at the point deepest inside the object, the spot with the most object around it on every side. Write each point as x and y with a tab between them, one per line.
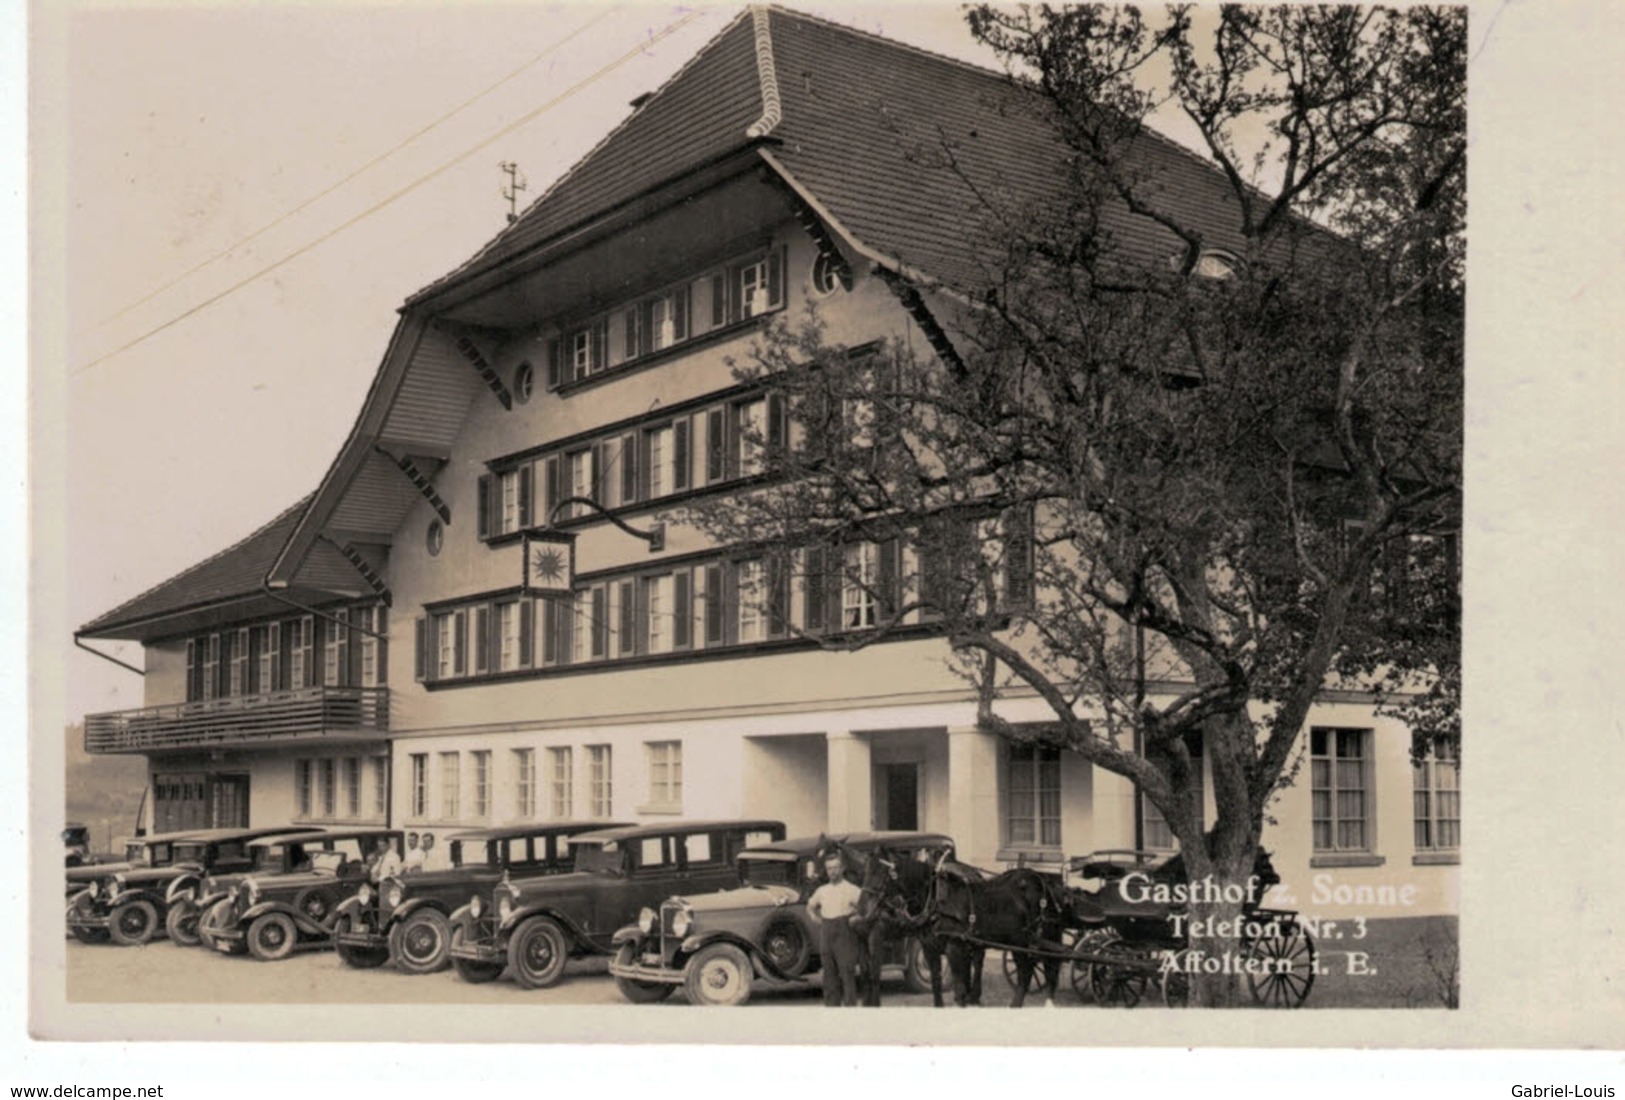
416	856
385	861
833	905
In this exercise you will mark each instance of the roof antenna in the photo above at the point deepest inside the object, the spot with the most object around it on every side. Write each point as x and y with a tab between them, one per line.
516	184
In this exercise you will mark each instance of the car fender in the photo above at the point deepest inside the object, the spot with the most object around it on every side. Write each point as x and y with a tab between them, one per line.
127	896
182	884
302	922
462	917
412	905
209	901
764	968
346	908
505	930
630	934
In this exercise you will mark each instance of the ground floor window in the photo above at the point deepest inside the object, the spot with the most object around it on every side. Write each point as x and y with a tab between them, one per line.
420	784
524	770
482	784
1155	831
561	784
1340	786
665	774
451	785
302	794
1437	800
1033	796
598	758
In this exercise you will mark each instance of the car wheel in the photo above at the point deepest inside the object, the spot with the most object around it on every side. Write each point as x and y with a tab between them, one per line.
358	958
718	975
90	935
422	943
537	953
639	993
272	937
134	923
916	970
472	970
180	923
787	946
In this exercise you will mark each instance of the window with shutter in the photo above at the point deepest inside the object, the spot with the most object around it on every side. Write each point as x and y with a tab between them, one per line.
482	491
626	611
420	655
526	610
682	623
629	469
527	476
550	631
681	459
815	614
555	358
482	640
715	610
716	446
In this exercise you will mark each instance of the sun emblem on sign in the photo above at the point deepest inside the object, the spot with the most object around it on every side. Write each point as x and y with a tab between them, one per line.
549	565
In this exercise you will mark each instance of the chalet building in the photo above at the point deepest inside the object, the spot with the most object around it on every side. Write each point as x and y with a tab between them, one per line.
444	635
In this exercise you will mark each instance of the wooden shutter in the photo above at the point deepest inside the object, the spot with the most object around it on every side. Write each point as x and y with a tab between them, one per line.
719	300
598	621
682	599
1018	553
308	645
555	490
646	327
273	641
527	478
886	587
527	625
715	632
342	640
381	625
600	344
735	306
483	492
817	612
482	639
775	278
459	643
777	427
681	459
629	469
555	369
194	667
635	319
716	445
627	617
420	655
681	304
645	474
732	437
778	595
550	631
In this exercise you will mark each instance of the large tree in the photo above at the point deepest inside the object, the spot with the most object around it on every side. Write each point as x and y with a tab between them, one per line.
1176	494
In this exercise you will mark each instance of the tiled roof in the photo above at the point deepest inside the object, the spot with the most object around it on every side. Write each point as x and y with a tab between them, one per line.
233	572
867	126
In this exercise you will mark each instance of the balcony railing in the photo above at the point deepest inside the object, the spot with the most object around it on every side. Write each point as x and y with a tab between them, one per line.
245	719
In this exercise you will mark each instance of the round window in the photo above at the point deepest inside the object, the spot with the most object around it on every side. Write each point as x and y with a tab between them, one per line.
829	272
436	537
524	381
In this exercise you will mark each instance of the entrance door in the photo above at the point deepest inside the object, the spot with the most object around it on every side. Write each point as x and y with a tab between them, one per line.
899	796
180	802
231	802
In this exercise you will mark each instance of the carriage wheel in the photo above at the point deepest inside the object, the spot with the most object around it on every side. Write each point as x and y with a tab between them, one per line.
1034	980
1119	986
1086	944
1286	962
1176	984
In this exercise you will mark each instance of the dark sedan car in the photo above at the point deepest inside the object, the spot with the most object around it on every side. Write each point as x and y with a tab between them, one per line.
132	902
714	945
270	915
97	892
536	925
404	918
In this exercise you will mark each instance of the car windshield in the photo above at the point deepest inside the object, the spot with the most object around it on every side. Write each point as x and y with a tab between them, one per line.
268	858
767	872
597	857
135	852
475	853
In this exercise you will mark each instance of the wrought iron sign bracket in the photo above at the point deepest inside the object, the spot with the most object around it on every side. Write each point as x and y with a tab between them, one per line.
655	536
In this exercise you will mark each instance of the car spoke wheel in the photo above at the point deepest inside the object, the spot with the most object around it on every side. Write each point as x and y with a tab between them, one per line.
422	943
718	975
1281	968
639	993
359	958
181	922
90	935
538	952
787	947
272	937
472	970
134	923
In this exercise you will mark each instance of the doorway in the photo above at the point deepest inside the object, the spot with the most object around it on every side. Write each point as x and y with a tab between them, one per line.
231	801
898	801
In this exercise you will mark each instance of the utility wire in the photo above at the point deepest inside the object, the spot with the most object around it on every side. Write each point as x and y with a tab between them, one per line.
385	155
414	185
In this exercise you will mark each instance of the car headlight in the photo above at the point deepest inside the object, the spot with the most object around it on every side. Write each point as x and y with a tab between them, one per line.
394	895
646	920
364	895
475	907
505	907
118	885
682	922
95	890
251	892
210	886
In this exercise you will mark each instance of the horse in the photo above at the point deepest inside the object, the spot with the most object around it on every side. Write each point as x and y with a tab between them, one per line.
1017	909
894	896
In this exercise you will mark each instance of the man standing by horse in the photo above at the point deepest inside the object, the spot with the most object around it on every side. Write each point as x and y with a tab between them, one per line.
833	906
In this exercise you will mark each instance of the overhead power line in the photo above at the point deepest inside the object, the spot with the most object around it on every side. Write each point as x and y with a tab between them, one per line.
385	155
670	29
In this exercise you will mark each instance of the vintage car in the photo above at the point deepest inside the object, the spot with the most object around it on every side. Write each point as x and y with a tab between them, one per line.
76	844
175	889
155	850
130	902
535	925
405	917
715	945
270	914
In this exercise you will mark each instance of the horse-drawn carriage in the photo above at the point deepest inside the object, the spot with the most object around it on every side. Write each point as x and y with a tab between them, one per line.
1130	934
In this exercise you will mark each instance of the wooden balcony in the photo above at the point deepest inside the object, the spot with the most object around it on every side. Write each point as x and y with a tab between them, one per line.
309	713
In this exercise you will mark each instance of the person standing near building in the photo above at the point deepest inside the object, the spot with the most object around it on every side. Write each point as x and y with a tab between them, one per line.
833	905
414	855
385	861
